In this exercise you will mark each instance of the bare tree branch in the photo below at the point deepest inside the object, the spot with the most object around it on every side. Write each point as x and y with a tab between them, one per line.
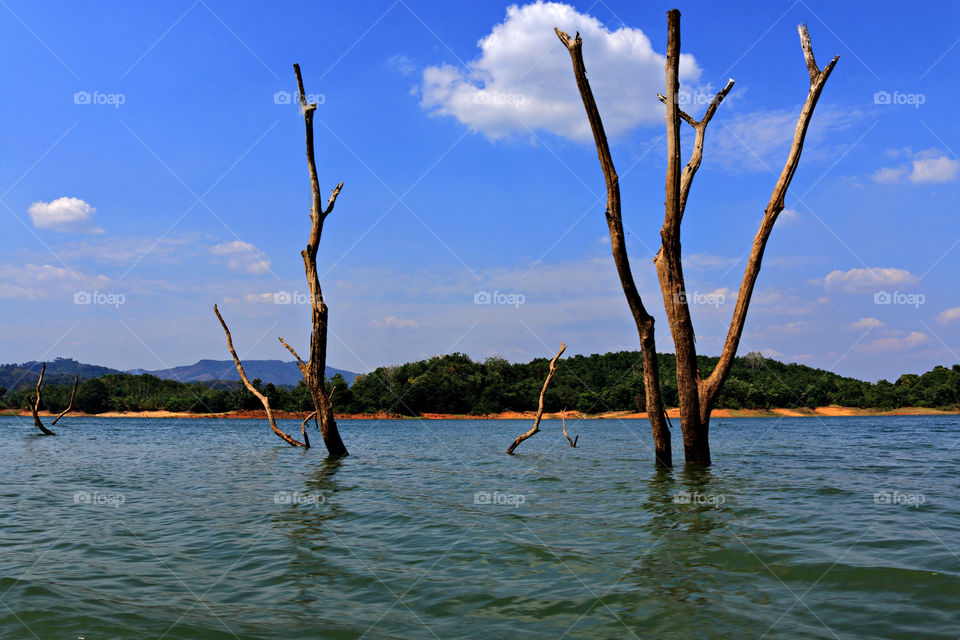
73	394
300	363
252	389
696	156
536	421
818	79
643	320
303	425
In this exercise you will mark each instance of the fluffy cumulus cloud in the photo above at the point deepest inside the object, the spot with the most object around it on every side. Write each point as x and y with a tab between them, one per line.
868	280
926	167
242	256
523	78
950	316
67	215
934	169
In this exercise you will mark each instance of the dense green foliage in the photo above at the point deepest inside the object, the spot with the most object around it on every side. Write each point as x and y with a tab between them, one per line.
456	384
614	381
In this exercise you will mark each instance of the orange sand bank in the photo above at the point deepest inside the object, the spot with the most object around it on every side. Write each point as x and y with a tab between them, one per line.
823	412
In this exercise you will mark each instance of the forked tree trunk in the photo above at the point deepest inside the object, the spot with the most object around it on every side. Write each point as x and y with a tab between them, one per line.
536	422
696	395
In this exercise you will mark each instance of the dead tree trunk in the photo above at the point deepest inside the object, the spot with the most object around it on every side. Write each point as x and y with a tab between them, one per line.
314	370
263	399
696	446
697	395
35	407
642	319
536	421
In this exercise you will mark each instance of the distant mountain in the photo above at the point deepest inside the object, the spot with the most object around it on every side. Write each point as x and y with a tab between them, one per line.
275	371
59	371
62	370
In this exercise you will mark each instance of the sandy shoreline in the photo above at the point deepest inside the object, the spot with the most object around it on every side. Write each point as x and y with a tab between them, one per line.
822	412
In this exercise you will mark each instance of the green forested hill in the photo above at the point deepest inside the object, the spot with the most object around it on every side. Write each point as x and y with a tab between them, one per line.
614	381
456	384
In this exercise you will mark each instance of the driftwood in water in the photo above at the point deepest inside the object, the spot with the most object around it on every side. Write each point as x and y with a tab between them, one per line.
35	407
536	421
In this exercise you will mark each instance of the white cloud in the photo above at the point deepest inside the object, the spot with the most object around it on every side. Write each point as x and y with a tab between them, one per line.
935	170
931	166
866	323
890	175
788	216
524	78
67	215
868	280
796	328
393	322
895	343
401	63
949	316
242	256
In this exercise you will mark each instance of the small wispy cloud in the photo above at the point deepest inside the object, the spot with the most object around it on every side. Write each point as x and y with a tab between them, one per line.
242	256
393	322
864	324
949	316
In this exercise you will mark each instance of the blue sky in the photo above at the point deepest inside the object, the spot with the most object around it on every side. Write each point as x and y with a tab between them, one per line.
151	167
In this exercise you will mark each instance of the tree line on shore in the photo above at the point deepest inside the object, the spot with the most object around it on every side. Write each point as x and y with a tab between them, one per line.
457	384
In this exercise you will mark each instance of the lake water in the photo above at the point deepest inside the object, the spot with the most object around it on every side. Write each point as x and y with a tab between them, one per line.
195	529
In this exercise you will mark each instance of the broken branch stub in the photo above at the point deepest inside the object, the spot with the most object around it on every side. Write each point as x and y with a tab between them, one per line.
563	417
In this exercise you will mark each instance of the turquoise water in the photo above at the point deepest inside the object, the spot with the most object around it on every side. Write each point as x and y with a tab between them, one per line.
804	528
